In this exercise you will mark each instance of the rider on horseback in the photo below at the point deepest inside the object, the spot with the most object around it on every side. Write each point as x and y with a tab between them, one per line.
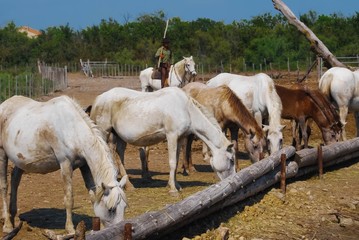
164	55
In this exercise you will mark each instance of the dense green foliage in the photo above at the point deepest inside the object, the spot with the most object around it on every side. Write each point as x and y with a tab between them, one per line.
264	39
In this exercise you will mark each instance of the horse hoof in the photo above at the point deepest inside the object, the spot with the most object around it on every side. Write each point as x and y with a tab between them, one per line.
174	193
129	187
7	229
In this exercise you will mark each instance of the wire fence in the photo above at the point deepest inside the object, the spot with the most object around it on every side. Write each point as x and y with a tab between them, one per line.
47	80
50	78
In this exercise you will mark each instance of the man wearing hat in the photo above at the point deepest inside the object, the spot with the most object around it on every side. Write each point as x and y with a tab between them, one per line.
164	55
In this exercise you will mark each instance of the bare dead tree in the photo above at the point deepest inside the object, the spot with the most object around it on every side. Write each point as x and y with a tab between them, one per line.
315	43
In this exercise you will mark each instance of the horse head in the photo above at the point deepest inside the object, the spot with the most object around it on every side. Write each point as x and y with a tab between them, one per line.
255	146
190	67
274	138
109	202
222	161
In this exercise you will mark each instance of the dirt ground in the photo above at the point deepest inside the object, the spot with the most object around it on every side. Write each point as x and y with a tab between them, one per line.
312	208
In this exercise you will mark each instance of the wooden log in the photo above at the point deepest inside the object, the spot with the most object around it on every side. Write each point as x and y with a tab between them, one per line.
316	44
309	156
13	233
311	169
180	214
154	224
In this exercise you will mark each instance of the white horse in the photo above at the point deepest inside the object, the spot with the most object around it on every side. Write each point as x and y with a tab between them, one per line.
341	86
145	119
45	137
180	74
258	94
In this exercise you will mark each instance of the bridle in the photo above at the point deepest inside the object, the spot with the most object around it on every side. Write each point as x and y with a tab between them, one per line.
183	79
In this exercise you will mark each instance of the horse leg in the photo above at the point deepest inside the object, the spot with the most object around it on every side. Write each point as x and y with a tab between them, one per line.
343	113
173	154
186	155
295	140
234	139
356	116
187	163
8	226
144	154
87	177
16	175
66	172
120	152
303	129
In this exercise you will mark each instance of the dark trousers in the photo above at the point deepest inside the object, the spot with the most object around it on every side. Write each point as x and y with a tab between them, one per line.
164	67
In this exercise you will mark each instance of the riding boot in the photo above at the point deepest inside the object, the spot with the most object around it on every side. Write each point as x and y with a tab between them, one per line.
166	83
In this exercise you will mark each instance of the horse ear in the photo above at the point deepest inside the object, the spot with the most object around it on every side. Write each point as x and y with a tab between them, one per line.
265	128
184	57
230	147
106	189
123	181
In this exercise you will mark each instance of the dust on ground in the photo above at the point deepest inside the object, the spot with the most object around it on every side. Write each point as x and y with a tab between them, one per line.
312	208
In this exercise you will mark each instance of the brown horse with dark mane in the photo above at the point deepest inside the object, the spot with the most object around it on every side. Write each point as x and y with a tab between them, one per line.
230	113
300	104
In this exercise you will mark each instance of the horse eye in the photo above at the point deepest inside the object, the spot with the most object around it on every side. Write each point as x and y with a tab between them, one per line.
112	210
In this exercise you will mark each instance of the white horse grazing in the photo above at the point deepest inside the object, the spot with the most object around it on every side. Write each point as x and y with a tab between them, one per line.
144	119
341	86
180	74
42	137
260	97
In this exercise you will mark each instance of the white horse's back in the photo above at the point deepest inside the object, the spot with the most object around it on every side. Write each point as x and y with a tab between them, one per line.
147	83
145	119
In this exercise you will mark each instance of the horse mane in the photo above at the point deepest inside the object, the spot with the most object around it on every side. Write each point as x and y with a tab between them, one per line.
104	172
323	104
239	109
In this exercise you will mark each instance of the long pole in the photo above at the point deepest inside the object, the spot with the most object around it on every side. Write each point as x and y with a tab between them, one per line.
164	35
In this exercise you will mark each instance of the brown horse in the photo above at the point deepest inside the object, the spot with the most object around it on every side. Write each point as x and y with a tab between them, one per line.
230	113
300	104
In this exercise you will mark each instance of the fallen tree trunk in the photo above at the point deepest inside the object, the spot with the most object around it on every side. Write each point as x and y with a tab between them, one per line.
316	44
308	156
154	224
248	182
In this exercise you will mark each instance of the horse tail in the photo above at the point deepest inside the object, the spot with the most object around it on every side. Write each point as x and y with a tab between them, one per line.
274	103
324	84
145	78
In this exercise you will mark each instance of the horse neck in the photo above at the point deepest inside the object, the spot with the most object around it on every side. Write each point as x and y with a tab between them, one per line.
97	153
323	113
177	73
205	126
99	160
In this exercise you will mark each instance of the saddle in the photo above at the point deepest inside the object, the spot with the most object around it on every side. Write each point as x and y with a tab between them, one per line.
156	74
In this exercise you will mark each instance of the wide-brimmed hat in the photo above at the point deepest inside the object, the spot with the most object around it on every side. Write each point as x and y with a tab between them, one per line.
165	40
